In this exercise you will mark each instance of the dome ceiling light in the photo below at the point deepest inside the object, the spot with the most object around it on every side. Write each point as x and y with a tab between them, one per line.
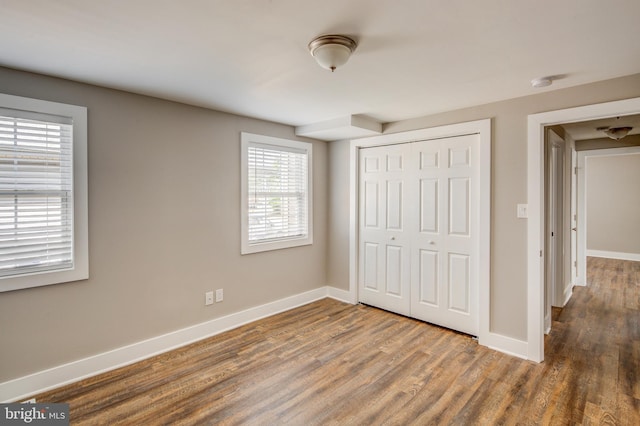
541	82
616	133
332	51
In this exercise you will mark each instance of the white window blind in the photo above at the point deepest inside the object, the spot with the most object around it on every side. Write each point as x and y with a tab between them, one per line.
36	193
277	192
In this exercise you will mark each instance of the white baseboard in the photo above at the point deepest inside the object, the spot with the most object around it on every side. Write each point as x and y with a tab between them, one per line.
23	387
614	255
568	292
505	344
341	295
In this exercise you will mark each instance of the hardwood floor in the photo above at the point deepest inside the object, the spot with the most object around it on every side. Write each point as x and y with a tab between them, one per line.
331	363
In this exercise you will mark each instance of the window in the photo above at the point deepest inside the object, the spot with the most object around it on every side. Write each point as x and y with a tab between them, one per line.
43	193
276	193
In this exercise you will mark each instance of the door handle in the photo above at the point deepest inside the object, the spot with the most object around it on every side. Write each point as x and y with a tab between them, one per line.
431	242
574	229
393	238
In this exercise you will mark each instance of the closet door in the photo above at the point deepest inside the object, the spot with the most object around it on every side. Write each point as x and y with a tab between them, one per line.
444	284
419	216
385	232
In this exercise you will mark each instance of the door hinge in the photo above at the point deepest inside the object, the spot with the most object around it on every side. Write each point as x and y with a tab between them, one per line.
540	253
575	263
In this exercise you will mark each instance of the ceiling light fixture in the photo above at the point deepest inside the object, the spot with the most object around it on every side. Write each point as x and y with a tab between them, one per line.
332	51
541	82
617	133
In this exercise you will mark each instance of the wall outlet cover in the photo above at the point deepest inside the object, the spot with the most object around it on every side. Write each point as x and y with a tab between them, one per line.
208	298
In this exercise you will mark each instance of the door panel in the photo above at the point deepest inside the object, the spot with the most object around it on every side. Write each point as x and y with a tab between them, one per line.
371	204
428	277
459	157
394	205
371	164
370	266
394	162
459	286
384	244
459	207
394	270
429	160
454	238
428	210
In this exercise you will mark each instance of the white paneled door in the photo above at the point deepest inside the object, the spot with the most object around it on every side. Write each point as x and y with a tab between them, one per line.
418	231
385	241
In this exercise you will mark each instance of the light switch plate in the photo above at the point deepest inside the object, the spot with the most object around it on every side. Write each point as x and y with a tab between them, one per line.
523	211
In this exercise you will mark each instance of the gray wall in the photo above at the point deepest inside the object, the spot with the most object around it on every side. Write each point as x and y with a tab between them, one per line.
164	227
509	187
613	203
338	256
164	221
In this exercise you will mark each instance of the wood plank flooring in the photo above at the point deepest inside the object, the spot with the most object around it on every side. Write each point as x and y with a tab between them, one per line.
331	363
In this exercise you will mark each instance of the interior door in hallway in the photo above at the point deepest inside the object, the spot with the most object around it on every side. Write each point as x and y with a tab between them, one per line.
418	226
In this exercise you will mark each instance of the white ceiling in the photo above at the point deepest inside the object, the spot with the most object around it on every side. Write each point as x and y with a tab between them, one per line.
415	57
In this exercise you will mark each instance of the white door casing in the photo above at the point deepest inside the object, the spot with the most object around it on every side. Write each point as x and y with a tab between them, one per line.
482	128
535	198
418	219
575	278
554	229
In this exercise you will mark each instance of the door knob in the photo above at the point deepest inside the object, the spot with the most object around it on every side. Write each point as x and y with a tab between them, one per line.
432	242
393	238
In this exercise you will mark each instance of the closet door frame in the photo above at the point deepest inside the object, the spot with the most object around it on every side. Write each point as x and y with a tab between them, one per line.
481	128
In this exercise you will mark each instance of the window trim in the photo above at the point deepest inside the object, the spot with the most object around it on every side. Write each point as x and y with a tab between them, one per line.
246	140
80	270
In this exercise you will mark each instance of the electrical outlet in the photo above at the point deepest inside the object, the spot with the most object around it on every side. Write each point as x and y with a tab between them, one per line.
208	298
219	295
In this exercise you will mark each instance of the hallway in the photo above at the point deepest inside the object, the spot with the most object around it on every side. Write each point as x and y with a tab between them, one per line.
597	335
